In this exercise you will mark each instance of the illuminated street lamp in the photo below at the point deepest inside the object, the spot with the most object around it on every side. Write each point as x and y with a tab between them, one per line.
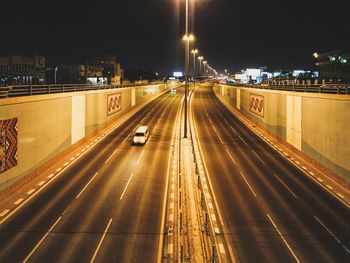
200	58
187	38
315	55
194	52
204	65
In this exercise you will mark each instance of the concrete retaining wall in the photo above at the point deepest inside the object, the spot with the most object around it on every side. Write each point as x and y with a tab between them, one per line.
316	124
49	124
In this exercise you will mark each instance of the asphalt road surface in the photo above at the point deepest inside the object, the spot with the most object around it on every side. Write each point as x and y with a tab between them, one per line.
271	211
107	207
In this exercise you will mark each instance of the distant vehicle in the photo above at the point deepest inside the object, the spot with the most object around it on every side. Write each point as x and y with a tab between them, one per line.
173	91
141	135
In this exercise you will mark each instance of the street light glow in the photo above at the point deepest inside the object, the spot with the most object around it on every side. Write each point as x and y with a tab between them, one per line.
189	37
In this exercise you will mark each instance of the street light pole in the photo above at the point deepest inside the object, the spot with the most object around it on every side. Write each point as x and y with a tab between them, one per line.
200	58
194	52
187	51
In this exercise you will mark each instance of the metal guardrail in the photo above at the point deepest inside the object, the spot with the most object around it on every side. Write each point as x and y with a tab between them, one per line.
30	90
328	89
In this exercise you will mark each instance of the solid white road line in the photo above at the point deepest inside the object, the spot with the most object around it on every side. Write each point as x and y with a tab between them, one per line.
251	189
285	185
331	233
126	187
41	240
86	186
102	238
284	240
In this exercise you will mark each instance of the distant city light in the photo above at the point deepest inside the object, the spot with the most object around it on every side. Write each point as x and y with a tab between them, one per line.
177	74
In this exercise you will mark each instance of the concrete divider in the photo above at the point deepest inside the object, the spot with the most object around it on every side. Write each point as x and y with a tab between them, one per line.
35	129
316	124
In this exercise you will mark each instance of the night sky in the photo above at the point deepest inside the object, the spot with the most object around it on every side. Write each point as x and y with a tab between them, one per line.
147	34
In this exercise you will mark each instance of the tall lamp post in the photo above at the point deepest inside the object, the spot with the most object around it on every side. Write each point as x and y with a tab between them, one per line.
200	58
204	65
187	38
194	52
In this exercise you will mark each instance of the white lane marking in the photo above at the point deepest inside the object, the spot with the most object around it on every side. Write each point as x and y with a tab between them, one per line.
320	180
140	157
229	154
226	121
58	169
50	176
170	248
214	128
221	248
258	157
251	189
101	240
213	217
330	187
72	159
110	157
311	173
86	186
304	167
242	139
285	185
125	138
340	195
233	129
66	163
331	233
284	240
41	240
217	230
126	187
30	191
18	201
41	183
220	139
4	212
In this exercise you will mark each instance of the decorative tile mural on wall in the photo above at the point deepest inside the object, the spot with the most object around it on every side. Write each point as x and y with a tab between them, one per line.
8	144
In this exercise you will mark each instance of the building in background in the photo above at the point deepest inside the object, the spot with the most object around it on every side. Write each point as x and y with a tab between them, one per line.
333	66
22	70
103	70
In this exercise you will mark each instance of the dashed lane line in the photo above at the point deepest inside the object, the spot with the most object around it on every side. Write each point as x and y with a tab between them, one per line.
246	181
41	240
332	234
101	240
284	240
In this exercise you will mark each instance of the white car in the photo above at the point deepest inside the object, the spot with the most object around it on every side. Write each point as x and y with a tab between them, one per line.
141	135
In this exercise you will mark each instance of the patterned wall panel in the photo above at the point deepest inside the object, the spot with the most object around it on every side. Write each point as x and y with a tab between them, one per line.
8	144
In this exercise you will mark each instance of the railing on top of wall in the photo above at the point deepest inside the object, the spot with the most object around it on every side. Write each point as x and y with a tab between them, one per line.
30	90
327	88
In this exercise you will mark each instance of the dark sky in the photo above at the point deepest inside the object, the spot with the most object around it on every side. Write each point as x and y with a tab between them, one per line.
147	34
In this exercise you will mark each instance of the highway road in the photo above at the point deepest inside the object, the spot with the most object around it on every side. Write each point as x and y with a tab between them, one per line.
271	211
107	206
